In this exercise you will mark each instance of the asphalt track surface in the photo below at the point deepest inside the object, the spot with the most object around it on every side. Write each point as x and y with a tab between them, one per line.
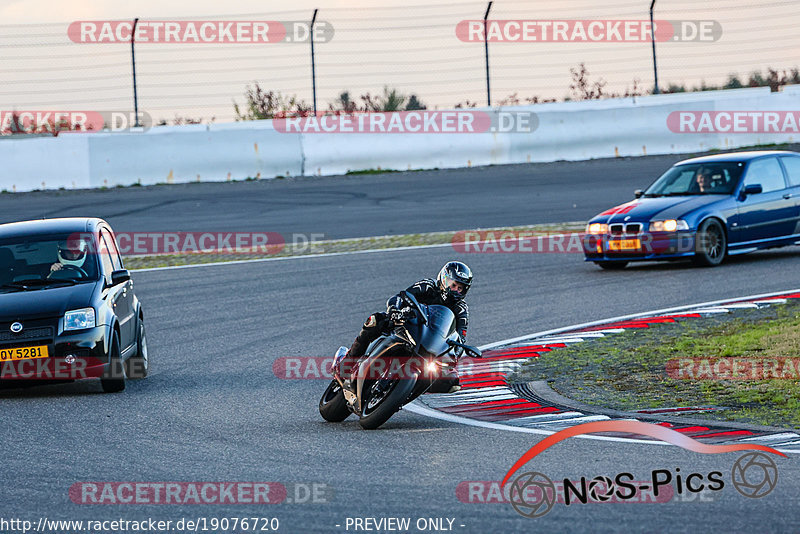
212	410
360	205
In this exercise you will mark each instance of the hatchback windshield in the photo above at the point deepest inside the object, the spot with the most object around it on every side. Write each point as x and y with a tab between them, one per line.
719	178
28	262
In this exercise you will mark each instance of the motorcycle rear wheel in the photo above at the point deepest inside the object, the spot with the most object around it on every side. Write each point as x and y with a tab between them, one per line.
332	406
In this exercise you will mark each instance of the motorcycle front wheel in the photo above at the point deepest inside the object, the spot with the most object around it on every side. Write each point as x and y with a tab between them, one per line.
332	406
381	406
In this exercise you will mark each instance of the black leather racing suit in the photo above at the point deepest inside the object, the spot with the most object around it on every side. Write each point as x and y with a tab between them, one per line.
426	292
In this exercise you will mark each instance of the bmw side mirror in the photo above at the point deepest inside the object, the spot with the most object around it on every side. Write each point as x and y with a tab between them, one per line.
119	277
638	193
751	189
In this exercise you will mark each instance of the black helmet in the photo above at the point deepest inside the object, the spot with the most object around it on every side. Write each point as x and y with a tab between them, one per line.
453	274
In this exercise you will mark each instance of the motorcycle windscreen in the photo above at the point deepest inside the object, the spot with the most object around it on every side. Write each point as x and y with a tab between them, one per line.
441	324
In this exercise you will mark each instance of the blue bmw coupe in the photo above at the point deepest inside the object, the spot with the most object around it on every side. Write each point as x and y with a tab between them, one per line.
705	209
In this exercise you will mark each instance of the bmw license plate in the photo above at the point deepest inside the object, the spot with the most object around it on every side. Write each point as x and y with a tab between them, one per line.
624	244
23	353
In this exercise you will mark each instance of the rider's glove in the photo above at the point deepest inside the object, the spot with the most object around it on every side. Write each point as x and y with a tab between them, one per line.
400	316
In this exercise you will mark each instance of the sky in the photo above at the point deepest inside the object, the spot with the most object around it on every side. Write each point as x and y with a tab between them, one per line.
413	48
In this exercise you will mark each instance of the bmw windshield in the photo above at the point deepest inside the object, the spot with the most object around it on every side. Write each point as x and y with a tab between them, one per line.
718	178
34	262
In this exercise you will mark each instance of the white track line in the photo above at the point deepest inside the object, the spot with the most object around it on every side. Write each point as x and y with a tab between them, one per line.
286	258
663	311
416	407
423	410
330	254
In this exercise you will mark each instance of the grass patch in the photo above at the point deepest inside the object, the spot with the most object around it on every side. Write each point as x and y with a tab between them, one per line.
628	371
370	171
767	146
336	245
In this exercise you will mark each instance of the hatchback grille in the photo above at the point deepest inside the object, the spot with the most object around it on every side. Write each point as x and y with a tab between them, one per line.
43	333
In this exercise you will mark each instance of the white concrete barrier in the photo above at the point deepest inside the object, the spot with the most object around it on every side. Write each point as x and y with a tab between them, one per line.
566	131
194	153
44	163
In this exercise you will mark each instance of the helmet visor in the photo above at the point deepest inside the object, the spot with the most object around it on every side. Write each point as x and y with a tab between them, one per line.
72	251
454	286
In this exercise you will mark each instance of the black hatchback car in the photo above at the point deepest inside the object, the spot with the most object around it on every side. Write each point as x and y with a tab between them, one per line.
67	306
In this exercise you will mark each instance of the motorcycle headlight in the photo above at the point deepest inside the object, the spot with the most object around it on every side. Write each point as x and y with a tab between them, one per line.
596	228
668	225
79	319
435	366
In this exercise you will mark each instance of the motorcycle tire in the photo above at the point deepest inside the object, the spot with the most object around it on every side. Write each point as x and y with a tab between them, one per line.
332	406
392	402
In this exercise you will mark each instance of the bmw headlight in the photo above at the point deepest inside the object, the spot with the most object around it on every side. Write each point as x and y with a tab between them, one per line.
597	228
79	319
669	225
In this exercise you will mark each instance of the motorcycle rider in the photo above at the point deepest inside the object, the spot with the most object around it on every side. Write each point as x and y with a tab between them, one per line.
448	289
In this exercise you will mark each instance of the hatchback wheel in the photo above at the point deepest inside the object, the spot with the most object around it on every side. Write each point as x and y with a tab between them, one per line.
139	366
114	378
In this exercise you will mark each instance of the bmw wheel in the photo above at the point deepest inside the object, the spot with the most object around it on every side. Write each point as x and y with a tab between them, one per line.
711	245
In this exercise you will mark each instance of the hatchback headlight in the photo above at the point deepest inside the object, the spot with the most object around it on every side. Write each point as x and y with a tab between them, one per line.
596	228
79	319
669	225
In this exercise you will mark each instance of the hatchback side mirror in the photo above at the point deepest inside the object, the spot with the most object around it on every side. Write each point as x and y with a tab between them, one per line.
638	193
118	277
751	189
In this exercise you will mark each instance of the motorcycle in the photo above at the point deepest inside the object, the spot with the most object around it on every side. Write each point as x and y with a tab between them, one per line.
398	366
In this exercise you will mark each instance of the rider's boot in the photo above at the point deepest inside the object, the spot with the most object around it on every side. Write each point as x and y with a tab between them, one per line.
448	382
345	364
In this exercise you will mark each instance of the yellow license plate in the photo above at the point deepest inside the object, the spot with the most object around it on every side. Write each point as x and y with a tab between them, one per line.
624	244
23	353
